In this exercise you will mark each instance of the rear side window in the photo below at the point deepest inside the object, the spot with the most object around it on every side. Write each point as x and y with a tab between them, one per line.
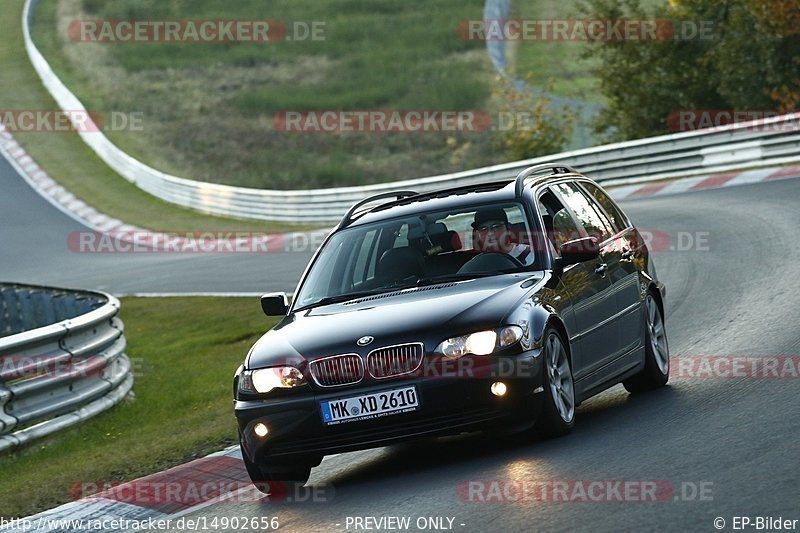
594	222
618	220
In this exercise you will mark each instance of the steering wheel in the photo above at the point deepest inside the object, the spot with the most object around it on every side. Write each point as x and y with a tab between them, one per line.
489	262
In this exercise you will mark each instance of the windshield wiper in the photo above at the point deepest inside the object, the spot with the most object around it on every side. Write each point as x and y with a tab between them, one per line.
328	300
456	277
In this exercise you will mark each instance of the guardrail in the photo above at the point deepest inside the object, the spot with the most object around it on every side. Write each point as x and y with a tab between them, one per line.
681	154
62	360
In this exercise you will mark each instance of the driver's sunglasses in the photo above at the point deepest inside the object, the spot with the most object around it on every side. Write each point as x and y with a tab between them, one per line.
492	227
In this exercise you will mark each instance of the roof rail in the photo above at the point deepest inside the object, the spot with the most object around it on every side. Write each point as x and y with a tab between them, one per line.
350	215
554	168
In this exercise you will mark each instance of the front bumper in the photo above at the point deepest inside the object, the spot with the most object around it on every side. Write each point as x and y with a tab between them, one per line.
449	404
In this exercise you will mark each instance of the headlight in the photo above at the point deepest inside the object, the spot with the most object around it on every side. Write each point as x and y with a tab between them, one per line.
480	343
264	380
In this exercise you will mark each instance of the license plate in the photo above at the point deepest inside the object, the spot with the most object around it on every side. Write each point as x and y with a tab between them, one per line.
367	406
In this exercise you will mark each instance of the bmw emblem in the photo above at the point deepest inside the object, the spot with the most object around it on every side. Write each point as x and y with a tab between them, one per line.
366	339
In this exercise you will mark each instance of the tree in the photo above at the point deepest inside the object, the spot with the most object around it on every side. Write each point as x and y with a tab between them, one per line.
528	125
748	60
782	18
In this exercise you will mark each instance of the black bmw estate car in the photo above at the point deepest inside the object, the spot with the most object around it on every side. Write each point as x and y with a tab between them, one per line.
499	304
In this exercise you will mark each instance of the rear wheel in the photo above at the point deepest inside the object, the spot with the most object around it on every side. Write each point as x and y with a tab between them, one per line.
656	360
558	412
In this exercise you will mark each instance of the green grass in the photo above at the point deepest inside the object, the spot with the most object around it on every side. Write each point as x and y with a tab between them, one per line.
563	62
556	61
208	107
70	162
184	352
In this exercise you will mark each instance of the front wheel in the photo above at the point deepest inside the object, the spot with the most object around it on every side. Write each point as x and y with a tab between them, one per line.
275	479
558	412
656	359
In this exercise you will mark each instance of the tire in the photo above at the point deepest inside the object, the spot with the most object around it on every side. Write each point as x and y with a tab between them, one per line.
655	373
276	479
558	411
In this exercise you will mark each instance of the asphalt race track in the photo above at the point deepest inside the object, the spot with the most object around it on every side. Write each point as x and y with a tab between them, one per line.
738	438
34	248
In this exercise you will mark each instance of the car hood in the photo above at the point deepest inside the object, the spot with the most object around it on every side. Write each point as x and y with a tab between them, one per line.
425	314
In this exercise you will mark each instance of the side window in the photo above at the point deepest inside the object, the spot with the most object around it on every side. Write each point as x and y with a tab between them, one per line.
618	220
515	216
595	223
559	226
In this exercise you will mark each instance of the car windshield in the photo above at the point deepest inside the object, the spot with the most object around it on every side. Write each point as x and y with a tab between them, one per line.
459	243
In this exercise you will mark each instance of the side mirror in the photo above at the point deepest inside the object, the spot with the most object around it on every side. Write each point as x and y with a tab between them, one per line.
275	304
579	251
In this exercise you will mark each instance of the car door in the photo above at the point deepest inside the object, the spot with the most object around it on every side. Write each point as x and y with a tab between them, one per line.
592	336
624	273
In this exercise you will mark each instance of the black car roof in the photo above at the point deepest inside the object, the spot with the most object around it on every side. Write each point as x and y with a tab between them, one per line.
409	203
439	200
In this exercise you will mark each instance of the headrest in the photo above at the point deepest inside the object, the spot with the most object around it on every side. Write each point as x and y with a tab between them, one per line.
448	241
399	263
436	228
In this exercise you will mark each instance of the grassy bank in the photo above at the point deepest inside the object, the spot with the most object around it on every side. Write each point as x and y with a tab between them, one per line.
207	108
70	162
184	352
556	61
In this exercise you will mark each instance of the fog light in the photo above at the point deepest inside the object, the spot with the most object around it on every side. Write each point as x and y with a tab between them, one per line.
499	388
261	430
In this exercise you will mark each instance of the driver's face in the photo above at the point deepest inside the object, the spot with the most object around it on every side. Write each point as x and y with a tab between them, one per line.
492	225
493	236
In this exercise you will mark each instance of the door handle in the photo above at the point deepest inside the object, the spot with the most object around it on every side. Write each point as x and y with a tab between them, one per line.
627	254
601	270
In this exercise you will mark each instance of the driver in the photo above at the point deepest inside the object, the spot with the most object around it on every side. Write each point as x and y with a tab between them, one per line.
492	233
